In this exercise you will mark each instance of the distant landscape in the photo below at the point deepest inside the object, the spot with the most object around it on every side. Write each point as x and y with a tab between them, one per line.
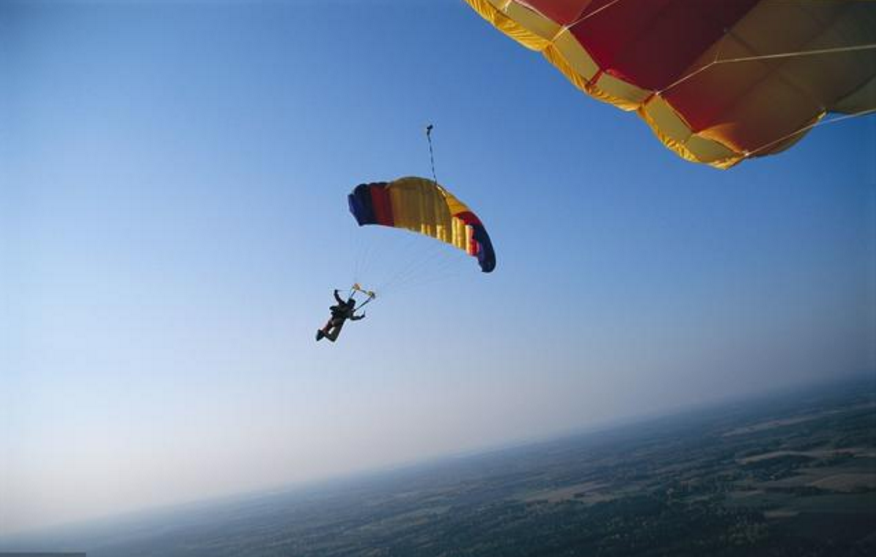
784	475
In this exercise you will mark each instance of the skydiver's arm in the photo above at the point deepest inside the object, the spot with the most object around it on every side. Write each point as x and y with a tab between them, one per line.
357	317
338	298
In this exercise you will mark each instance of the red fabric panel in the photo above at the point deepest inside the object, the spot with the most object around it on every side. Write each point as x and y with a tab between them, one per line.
706	99
382	206
468	218
473	246
651	44
720	96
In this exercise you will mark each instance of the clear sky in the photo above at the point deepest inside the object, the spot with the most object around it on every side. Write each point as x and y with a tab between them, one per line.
173	220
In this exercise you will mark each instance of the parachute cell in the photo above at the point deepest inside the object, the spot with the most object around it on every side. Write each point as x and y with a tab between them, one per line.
717	80
423	206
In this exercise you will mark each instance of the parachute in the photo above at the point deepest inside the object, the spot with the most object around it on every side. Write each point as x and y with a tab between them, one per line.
422	206
718	81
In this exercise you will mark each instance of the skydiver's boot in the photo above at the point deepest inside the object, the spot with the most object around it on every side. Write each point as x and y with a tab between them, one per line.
319	334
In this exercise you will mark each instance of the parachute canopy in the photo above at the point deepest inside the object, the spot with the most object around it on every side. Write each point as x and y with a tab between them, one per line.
717	80
423	206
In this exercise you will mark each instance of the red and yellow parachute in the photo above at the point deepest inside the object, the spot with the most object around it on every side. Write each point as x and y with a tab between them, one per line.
717	80
424	207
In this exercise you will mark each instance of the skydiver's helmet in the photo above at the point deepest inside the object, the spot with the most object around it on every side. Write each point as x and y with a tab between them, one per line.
351	303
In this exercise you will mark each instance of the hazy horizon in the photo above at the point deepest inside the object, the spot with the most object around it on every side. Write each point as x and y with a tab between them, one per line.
622	424
173	220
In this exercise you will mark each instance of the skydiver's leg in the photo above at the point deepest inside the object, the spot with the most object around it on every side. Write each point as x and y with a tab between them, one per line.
320	333
333	333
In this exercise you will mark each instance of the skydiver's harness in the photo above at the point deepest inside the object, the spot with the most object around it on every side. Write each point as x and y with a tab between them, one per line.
342	312
367	293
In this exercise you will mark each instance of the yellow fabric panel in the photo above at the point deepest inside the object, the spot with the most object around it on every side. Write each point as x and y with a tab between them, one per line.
460	235
423	206
454	205
418	206
675	134
556	57
570	52
670	143
712	152
532	21
628	97
559	61
659	113
509	26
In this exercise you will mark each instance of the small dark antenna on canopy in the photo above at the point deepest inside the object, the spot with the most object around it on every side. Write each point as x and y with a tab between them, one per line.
431	153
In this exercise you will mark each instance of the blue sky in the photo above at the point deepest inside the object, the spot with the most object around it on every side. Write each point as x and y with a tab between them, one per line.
173	219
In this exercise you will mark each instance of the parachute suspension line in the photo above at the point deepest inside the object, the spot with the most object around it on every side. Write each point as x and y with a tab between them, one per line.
359	248
431	153
695	72
815	52
416	275
420	259
445	271
434	259
684	78
368	301
370	254
585	18
782	55
416	268
807	127
419	265
393	261
374	255
414	265
779	55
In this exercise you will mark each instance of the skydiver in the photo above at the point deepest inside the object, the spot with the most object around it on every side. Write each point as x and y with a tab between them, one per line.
340	313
